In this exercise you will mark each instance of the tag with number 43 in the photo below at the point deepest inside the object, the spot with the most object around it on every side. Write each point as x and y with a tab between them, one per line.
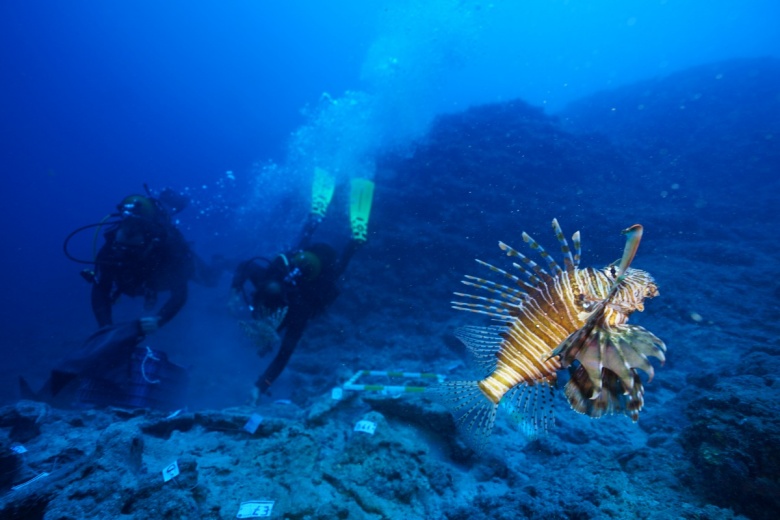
255	509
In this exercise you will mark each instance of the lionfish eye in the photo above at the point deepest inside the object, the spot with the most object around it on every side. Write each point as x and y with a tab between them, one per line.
613	271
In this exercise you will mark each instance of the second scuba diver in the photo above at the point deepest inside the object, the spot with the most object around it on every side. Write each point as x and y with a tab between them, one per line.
144	254
298	285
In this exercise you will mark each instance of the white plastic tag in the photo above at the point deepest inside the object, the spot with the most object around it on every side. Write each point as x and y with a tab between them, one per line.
19	449
253	423
170	471
255	509
366	427
337	393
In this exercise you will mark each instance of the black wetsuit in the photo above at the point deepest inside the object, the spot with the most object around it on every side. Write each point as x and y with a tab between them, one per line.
274	287
163	262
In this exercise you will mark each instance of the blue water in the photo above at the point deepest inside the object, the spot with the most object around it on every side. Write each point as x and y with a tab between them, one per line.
236	103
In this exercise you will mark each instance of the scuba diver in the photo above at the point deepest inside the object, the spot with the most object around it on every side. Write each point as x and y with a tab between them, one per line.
300	284
143	255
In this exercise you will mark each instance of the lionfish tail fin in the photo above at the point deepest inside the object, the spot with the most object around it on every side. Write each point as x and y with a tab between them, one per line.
473	412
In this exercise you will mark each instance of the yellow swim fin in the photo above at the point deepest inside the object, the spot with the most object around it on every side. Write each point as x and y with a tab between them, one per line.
360	198
321	192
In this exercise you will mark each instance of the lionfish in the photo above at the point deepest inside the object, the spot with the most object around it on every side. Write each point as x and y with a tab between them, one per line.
550	320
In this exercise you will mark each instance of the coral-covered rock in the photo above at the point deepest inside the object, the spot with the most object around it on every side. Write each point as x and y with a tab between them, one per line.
734	442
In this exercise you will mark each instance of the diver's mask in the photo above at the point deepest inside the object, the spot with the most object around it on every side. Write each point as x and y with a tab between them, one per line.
137	206
132	237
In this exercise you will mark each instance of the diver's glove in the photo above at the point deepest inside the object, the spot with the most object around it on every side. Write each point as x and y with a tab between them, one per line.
149	324
260	388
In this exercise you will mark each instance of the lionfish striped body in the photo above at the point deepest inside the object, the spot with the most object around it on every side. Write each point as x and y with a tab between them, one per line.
551	319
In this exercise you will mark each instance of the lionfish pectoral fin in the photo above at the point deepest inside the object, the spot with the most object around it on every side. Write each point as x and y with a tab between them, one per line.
632	347
483	343
620	350
473	412
613	398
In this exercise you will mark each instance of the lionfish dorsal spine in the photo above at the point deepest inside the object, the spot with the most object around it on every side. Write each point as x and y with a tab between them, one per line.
533	278
554	267
633	238
508	295
577	243
568	260
491	307
514	279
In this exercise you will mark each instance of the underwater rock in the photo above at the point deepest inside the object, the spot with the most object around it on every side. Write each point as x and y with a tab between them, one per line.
23	419
164	427
734	443
10	464
421	411
121	445
325	405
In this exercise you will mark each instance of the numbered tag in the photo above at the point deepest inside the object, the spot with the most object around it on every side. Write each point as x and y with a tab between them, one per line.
366	427
170	471
19	449
255	509
253	423
337	393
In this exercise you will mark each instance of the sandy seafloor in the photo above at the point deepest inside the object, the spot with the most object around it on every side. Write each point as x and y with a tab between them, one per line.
693	157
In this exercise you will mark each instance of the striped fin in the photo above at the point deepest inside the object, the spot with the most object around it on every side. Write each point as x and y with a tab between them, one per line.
554	267
474	414
518	281
567	258
495	311
506	294
613	398
531	407
501	307
575	238
482	342
535	280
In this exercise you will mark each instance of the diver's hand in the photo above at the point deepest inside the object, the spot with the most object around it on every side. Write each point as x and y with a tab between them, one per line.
149	324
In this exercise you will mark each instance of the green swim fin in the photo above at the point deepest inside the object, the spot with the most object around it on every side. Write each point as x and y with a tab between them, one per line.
360	198
321	192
